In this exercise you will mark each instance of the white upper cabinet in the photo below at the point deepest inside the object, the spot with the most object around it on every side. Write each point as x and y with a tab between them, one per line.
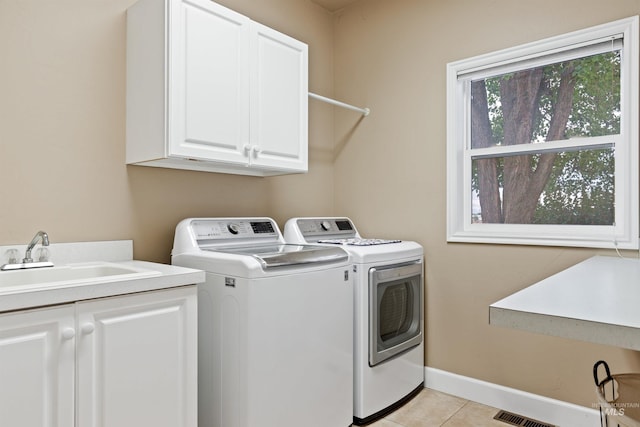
279	90
209	89
209	85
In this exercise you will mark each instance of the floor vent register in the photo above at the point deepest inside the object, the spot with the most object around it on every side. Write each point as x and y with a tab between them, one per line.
519	420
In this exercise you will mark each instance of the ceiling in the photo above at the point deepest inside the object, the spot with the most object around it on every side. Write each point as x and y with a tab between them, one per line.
333	5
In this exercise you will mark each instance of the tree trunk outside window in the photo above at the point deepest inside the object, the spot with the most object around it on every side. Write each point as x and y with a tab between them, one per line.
524	177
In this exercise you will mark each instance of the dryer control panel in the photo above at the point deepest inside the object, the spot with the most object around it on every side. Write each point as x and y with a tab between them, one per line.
324	228
338	231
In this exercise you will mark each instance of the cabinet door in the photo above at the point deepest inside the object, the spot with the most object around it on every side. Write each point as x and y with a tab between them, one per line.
37	350
209	82
279	104
137	360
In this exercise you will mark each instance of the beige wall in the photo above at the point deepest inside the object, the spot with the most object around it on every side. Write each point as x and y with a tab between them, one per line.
62	127
390	178
62	86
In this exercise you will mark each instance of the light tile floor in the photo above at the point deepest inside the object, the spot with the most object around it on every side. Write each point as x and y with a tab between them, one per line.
434	409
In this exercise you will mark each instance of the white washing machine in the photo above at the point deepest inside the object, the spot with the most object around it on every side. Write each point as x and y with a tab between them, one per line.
388	309
274	325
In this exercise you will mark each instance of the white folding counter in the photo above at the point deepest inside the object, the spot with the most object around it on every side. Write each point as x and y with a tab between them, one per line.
597	300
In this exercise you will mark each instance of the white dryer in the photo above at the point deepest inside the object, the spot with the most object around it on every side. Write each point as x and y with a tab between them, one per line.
388	309
274	325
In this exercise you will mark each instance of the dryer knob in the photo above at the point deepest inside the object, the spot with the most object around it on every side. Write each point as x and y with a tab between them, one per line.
326	225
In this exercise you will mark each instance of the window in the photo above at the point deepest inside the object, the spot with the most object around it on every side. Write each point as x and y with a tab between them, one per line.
542	142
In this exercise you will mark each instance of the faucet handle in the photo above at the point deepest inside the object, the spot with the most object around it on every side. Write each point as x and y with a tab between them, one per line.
43	254
12	256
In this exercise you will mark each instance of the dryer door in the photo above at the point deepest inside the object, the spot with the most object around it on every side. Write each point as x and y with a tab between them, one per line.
395	310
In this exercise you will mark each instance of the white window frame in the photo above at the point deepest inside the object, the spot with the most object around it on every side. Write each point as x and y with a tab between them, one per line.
624	233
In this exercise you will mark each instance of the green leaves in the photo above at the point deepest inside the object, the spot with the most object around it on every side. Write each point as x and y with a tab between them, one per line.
580	186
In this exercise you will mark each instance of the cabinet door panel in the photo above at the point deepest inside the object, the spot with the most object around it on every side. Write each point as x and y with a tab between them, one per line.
37	368
210	96
280	97
137	360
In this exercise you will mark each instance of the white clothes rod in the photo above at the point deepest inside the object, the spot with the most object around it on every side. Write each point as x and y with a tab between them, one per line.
364	111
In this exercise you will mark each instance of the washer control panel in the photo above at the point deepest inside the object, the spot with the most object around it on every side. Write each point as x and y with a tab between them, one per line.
235	228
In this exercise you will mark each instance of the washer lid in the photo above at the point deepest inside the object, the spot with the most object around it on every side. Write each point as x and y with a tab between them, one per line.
285	255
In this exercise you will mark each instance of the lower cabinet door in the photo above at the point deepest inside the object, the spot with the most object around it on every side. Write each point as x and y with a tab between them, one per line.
137	360
37	367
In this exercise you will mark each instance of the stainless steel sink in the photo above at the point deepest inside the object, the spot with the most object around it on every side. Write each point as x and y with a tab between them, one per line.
72	273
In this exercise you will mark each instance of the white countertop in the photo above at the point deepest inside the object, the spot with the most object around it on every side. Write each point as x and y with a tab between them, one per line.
159	276
166	276
597	300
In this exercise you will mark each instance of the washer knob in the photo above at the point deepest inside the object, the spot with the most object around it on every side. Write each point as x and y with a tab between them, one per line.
233	228
326	225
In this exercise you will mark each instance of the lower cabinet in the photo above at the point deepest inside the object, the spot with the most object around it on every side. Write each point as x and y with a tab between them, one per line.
37	365
125	361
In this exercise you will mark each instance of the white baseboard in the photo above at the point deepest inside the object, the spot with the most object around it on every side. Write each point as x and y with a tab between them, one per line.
530	405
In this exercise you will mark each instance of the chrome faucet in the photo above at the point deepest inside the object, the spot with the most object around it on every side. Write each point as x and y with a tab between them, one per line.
45	242
27	261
